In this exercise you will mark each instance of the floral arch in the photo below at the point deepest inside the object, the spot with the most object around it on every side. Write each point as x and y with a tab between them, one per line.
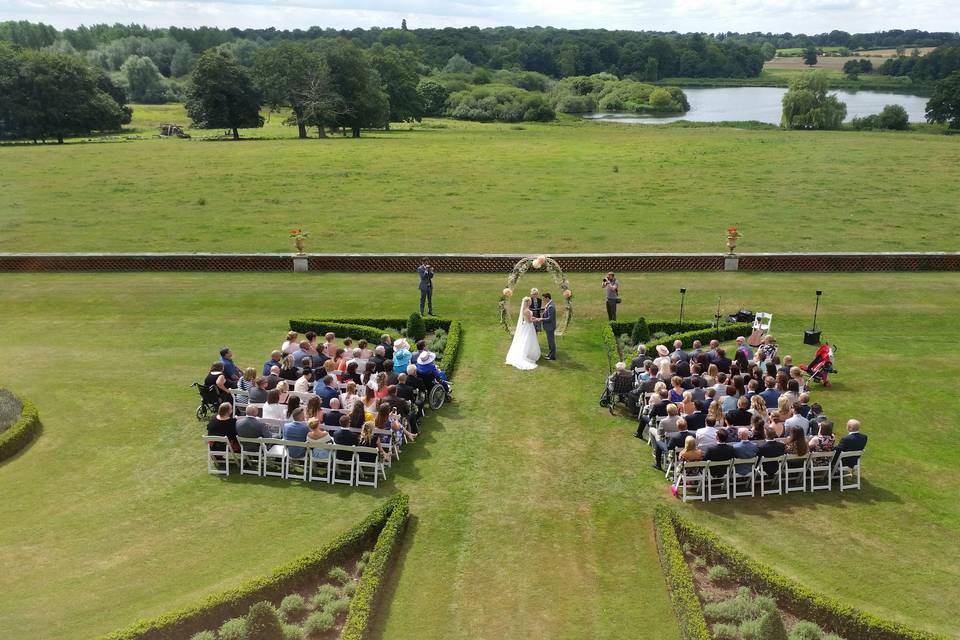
553	268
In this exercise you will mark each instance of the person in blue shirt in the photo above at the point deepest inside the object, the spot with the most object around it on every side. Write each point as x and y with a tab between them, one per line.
230	371
326	391
426	366
744	449
276	360
297	431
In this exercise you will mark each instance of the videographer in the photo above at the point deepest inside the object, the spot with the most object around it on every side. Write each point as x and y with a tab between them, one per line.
612	288
426	286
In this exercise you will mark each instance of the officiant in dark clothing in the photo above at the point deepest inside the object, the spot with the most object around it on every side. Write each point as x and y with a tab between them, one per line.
426	286
536	306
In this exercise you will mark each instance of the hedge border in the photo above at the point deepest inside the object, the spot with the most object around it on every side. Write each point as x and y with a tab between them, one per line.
826	611
702	331
214	609
676	572
371	329
364	600
22	432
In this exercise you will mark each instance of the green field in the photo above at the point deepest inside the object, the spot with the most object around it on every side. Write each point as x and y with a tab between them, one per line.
771	76
530	504
445	186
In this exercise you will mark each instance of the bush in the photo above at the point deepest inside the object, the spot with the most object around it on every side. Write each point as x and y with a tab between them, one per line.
686	603
361	565
771	626
263	623
203	635
318	622
641	332
233	629
751	630
438	344
804	630
494	102
739	608
292	606
339	574
337	606
326	594
416	329
350	588
292	632
23	431
726	632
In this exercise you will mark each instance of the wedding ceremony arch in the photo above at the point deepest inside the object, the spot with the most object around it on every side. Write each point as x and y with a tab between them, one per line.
538	263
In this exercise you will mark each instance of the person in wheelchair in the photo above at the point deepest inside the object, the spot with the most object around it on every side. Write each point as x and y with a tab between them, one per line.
619	385
429	372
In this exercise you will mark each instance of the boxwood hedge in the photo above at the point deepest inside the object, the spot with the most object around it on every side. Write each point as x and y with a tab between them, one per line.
302	572
702	331
686	603
826	611
21	432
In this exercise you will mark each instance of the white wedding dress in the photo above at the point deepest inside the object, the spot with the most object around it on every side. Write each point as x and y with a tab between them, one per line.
525	348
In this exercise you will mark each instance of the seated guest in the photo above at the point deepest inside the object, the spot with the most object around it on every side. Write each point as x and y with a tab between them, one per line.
283	390
786	365
332	417
273	378
740	417
420	347
296	430
314	348
330	369
712	351
390	373
388	419
637	365
712	378
696	350
797	374
707	435
690	451
796	445
378	358
293	403
620	372
401	356
258	393
291	344
223	424
370	402
288	371
275	358
395	402
816	416
744	348
678	439
365	351
427	366
722	361
662	361
349	396
250	426
326	390
757	428
771	448
329	344
404	390
758	407
720	452
370	373
680	367
767	350
792	393
697	388
302	352
662	445
368	439
741	360
716	412
216	382
853	441
804	405
687	405
230	370
744	449
695	419
314	410
248	380
347	437
357	416
678	351
794	419
318	434
729	401
414	380
387	343
676	390
668	424
273	410
780	383
656	408
753	388
351	374
340	361
824	440
770	395
304	383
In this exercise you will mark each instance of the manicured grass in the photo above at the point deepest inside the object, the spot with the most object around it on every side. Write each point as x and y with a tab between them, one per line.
530	504
445	186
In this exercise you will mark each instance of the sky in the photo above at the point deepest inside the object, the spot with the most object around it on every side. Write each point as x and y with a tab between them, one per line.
711	16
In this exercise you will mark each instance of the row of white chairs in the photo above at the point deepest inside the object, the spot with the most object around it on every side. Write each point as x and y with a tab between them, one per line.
816	471
271	458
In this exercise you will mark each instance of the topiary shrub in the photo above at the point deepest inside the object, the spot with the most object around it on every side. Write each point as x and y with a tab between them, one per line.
750	630
292	632
641	332
739	608
416	329
318	622
805	630
718	574
203	635
233	629
326	593
339	574
771	626
725	632
292	606
263	623
350	588
337	606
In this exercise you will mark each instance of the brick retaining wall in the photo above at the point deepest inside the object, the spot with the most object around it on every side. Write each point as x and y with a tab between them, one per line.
470	263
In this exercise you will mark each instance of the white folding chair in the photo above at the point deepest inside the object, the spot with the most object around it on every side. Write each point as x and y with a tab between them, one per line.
748	479
273	453
689	482
718	486
761	327
275	425
793	473
215	457
819	466
252	455
296	467
848	477
339	466
240	401
671	467
321	469
365	468
763	477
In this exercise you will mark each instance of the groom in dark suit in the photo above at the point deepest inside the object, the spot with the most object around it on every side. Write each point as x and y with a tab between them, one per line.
549	323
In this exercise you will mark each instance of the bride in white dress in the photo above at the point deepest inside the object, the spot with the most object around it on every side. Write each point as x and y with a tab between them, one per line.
525	348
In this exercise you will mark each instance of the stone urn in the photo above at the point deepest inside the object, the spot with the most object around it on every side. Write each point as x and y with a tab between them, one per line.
298	243
732	236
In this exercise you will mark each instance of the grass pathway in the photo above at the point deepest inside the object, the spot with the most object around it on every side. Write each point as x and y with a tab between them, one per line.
532	523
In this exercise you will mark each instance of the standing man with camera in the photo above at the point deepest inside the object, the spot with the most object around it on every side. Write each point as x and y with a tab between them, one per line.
426	286
612	287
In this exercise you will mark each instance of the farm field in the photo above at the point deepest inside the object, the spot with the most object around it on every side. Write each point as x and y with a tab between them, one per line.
530	504
574	186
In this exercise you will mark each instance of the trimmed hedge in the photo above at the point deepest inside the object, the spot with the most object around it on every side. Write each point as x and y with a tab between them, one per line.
370	329
725	332
212	611
611	346
829	613
686	603
21	432
365	598
621	327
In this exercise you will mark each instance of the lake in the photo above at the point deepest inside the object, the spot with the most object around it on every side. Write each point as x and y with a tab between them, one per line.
763	104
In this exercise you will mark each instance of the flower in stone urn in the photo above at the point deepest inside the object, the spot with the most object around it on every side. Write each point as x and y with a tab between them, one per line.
298	236
538	262
732	236
567	294
507	292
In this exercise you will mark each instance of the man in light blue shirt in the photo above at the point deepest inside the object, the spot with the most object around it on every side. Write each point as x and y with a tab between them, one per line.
297	431
744	449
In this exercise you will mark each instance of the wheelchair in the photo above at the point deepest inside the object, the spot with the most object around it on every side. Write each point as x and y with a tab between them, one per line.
616	389
209	401
437	395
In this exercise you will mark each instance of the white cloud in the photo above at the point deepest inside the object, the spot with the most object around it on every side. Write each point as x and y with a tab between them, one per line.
810	16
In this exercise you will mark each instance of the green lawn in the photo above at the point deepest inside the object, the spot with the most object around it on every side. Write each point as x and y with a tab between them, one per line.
531	505
445	186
